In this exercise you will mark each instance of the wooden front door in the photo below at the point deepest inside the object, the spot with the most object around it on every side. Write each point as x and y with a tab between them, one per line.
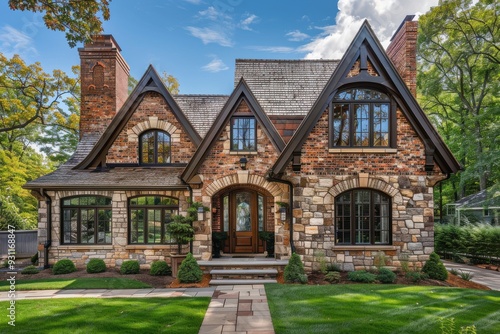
243	229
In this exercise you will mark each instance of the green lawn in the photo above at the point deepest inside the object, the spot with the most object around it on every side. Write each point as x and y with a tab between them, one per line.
75	283
107	315
360	308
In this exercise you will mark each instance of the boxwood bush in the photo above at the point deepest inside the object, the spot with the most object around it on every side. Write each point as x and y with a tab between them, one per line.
361	276
30	270
130	267
64	266
332	277
96	266
189	270
435	268
160	268
386	276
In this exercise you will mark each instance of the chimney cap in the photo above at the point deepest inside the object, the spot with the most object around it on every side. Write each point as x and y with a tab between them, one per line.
99	41
406	19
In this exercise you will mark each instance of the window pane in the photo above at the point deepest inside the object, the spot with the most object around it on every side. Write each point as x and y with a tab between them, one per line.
87	226
260	209
243	131
243	218
341	125
163	148
167	220
154	226
380	125
104	226
147	142
362	124
137	228
70	225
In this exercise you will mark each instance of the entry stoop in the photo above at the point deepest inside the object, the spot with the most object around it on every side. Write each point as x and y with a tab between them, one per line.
236	271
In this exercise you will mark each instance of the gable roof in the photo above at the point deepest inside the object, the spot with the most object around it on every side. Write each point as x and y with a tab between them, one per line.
201	110
366	46
241	92
150	82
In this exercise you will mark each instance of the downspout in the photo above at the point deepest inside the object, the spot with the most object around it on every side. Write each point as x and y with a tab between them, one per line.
270	177
48	242
191	201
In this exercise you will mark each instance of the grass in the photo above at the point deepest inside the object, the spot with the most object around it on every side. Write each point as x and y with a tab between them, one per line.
75	283
361	308
107	315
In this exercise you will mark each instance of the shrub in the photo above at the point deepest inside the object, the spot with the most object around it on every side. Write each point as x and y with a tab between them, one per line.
189	270
34	259
130	267
332	277
294	270
386	276
466	276
95	266
160	268
30	270
416	276
435	268
454	271
333	267
361	276
64	266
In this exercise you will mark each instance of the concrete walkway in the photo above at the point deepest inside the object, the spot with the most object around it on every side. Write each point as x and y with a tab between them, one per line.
233	309
490	278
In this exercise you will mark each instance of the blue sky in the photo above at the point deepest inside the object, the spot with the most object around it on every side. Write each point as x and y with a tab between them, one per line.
197	41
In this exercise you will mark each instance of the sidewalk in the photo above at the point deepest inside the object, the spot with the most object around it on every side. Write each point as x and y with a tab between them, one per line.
233	309
485	277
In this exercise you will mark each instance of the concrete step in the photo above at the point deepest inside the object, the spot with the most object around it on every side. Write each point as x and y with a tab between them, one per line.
244	271
241	281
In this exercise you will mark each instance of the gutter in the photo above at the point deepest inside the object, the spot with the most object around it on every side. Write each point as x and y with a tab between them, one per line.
272	178
48	243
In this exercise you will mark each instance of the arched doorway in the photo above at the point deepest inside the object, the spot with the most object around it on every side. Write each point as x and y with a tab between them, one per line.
242	212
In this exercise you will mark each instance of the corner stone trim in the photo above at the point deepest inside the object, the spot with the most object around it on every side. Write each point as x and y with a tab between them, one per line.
367	181
153	123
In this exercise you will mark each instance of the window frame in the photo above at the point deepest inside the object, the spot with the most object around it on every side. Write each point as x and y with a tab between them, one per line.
353	218
392	121
155	162
254	133
174	208
79	208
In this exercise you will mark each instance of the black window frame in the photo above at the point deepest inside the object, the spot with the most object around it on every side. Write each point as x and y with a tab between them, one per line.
352	215
155	152
68	203
338	100
253	134
173	208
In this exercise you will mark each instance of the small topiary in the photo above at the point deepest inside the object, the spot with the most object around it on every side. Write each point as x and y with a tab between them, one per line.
361	276
64	266
130	267
34	259
332	277
160	268
189	270
386	276
95	266
435	268
30	270
294	270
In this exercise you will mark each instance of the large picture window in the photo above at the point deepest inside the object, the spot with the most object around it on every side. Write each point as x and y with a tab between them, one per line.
362	216
86	220
243	134
149	217
154	148
360	118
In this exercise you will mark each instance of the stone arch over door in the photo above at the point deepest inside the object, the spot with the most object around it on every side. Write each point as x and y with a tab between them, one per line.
245	178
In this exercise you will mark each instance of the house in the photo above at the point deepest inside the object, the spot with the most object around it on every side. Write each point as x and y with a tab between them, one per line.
481	207
334	156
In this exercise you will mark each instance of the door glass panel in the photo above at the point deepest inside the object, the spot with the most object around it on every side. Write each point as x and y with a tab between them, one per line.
260	216
225	213
243	218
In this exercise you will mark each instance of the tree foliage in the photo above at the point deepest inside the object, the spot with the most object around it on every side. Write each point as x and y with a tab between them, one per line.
458	82
79	19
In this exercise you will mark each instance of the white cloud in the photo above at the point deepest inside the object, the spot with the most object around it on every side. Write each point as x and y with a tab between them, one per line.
208	35
296	36
216	65
212	14
13	41
194	2
245	24
384	17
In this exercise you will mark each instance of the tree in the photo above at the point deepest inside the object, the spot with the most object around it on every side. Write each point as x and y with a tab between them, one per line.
79	19
458	86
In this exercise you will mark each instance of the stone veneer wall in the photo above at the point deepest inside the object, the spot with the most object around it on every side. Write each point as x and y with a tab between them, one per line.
119	250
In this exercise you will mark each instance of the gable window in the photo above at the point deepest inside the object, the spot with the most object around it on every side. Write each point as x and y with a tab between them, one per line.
86	220
149	217
360	118
243	134
362	217
154	147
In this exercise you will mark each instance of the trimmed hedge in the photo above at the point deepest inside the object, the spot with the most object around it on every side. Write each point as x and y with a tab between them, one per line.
30	270
386	276
361	276
160	268
130	267
95	266
64	266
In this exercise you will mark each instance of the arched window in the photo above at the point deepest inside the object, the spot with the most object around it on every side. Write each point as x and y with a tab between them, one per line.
363	216
154	148
86	220
149	217
360	118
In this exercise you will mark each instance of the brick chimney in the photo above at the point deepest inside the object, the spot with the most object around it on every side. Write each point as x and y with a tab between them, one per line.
403	52
104	83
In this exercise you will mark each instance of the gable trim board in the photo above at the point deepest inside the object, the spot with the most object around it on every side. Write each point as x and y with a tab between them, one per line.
150	82
366	41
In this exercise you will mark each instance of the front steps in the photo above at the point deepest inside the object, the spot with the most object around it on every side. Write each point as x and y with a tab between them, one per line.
243	271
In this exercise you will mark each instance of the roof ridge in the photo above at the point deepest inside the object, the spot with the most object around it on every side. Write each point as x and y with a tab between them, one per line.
286	60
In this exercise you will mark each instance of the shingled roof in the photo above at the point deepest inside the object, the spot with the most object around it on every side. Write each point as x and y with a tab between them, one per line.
201	110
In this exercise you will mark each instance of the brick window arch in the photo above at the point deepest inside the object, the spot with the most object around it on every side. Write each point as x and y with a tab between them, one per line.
155	148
